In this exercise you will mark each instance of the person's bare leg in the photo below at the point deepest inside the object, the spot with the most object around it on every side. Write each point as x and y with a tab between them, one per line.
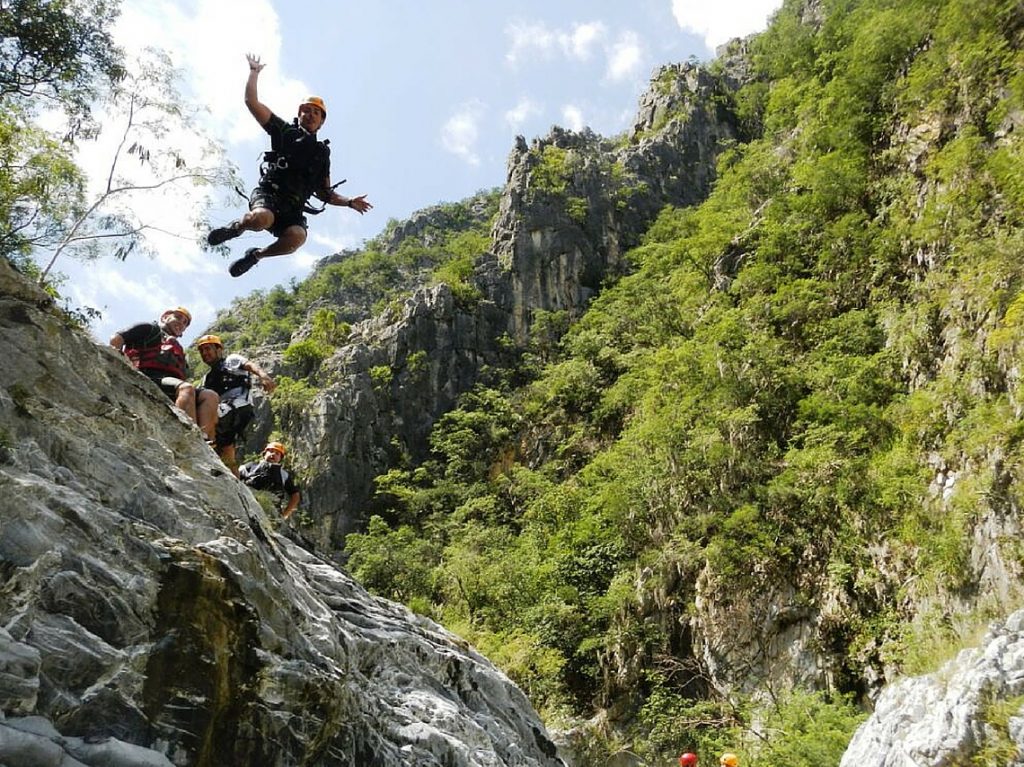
227	455
186	399
291	240
256	220
206	413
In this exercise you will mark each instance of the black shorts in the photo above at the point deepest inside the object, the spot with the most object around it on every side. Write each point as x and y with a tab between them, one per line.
286	214
232	424
168	384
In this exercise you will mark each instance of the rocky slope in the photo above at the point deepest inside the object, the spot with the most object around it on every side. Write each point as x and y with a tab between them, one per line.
971	711
150	614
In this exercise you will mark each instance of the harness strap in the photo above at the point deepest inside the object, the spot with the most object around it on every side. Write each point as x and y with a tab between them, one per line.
307	208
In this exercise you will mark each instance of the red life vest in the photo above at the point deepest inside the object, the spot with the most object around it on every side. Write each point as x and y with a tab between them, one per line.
167	356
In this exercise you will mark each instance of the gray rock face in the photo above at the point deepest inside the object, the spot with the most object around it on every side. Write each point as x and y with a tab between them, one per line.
150	615
391	384
945	719
554	257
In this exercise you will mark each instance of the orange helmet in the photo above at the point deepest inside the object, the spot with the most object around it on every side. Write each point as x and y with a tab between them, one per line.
688	759
209	339
316	101
182	311
279	447
729	760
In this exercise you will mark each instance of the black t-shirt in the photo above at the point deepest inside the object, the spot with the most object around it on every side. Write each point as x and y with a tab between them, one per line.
303	164
142	335
264	475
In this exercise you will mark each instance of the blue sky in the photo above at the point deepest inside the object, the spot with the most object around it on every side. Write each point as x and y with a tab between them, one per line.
424	102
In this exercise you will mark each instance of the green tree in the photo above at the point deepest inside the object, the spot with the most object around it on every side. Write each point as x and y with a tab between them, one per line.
56	55
154	126
58	52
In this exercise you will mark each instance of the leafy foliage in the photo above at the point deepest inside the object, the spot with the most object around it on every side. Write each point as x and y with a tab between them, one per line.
58	50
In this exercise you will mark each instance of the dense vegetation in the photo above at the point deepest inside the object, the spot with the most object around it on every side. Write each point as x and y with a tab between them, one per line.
766	405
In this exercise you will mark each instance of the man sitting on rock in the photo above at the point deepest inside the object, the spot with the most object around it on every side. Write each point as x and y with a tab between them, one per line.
154	350
231	378
268	474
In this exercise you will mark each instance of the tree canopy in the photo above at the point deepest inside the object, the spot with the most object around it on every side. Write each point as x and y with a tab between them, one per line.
57	52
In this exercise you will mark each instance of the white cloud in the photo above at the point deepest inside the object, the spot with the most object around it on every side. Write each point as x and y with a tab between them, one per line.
106	282
572	116
625	57
517	116
324	243
534	40
303	260
718	22
528	40
139	298
460	133
210	39
579	43
531	40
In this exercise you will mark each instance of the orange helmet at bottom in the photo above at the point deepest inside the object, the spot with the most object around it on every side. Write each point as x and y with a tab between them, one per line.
729	760
209	340
688	760
275	446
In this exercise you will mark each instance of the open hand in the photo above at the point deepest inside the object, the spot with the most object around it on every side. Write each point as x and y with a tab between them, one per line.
359	203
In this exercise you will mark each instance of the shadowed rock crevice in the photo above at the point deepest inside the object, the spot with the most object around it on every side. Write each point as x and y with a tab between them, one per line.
201	671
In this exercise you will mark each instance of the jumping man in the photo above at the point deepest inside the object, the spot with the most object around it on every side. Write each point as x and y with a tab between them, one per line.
297	167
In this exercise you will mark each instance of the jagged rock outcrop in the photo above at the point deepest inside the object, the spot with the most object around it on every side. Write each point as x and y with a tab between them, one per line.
151	615
391	383
553	255
952	716
425	226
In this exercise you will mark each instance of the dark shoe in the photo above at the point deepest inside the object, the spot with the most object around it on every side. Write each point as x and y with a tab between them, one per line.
223	234
244	264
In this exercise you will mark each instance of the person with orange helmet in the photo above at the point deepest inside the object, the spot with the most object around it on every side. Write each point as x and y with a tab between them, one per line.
154	350
729	759
231	377
268	474
297	167
689	759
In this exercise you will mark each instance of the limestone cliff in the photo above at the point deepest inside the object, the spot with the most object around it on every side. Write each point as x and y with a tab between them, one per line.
150	613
